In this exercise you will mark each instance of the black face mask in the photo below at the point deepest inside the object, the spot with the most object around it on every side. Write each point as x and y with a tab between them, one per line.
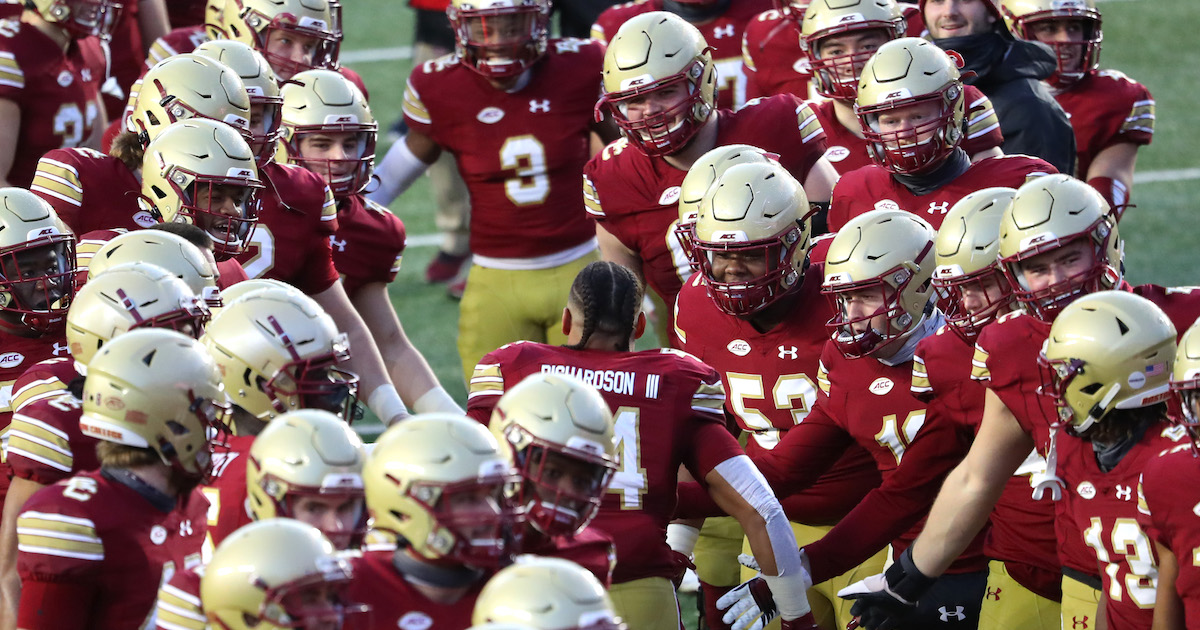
696	12
980	52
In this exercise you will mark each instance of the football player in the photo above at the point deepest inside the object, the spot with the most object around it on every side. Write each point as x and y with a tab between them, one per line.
1111	113
1058	241
1108	361
771	56
305	465
1164	500
437	482
52	64
172	252
94	548
660	86
547	594
277	573
515	109
877	279
328	129
44	442
720	23
911	104
755	314
278	352
838	39
294	35
602	318
1024	577
185	38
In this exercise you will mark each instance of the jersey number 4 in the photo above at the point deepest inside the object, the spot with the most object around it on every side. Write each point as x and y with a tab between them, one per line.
630	480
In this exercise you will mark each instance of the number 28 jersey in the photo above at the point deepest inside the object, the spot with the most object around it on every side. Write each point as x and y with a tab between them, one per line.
520	152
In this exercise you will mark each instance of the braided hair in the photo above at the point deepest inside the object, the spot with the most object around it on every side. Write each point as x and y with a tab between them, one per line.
610	298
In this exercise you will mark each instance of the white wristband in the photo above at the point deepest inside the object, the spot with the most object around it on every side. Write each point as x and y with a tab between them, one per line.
398	170
437	400
682	538
385	402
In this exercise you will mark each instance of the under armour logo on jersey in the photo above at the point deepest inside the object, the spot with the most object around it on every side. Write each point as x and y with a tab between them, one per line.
536	106
722	32
86	75
957	614
567	44
993	594
340	245
1076	622
1124	493
61	349
185	528
788	353
939	208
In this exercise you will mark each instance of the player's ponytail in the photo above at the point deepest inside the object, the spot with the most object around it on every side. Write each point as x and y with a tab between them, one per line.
609	297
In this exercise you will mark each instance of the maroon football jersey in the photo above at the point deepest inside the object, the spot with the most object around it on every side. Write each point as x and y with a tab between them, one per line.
636	197
593	549
1106	108
126	53
520	152
396	604
662	398
848	152
1167	514
180	597
1022	530
772	59
723	34
1102	509
291	241
874	188
45	443
226	493
865	402
55	92
180	40
770	385
18	354
368	245
65	177
108	539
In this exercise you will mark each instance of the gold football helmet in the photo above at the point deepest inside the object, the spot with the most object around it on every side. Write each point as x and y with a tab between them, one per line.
968	255
753	209
1108	350
559	429
547	594
279	352
890	251
129	296
261	87
910	72
275	574
439	481
162	249
262	23
324	103
1076	57
37	261
214	17
836	76
499	38
658	52
1049	213
246	287
1185	376
308	453
157	389
80	18
185	87
202	172
703	173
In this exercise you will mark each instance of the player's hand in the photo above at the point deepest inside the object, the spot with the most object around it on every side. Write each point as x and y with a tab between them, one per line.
749	606
884	601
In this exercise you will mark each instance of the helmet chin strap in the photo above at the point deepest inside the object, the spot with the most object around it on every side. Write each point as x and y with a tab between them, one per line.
693	12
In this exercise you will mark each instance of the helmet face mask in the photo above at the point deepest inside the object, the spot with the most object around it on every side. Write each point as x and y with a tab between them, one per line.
36	281
314	382
1084	269
988	290
293	35
262	88
673	124
839	36
778	277
502	40
971	287
82	18
913	148
329	130
849	334
1072	28
475	519
1185	378
562	488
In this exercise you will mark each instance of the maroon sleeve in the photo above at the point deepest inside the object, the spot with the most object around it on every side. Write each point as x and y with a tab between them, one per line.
804	454
42	604
711	445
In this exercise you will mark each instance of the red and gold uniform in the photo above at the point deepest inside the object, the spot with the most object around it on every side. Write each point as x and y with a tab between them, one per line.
1102	507
93	550
395	603
636	197
593	549
368	245
65	177
1166	500
45	443
179	606
180	40
848	152
56	92
291	241
1106	108
226	493
665	401
126	53
723	33
19	354
874	187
